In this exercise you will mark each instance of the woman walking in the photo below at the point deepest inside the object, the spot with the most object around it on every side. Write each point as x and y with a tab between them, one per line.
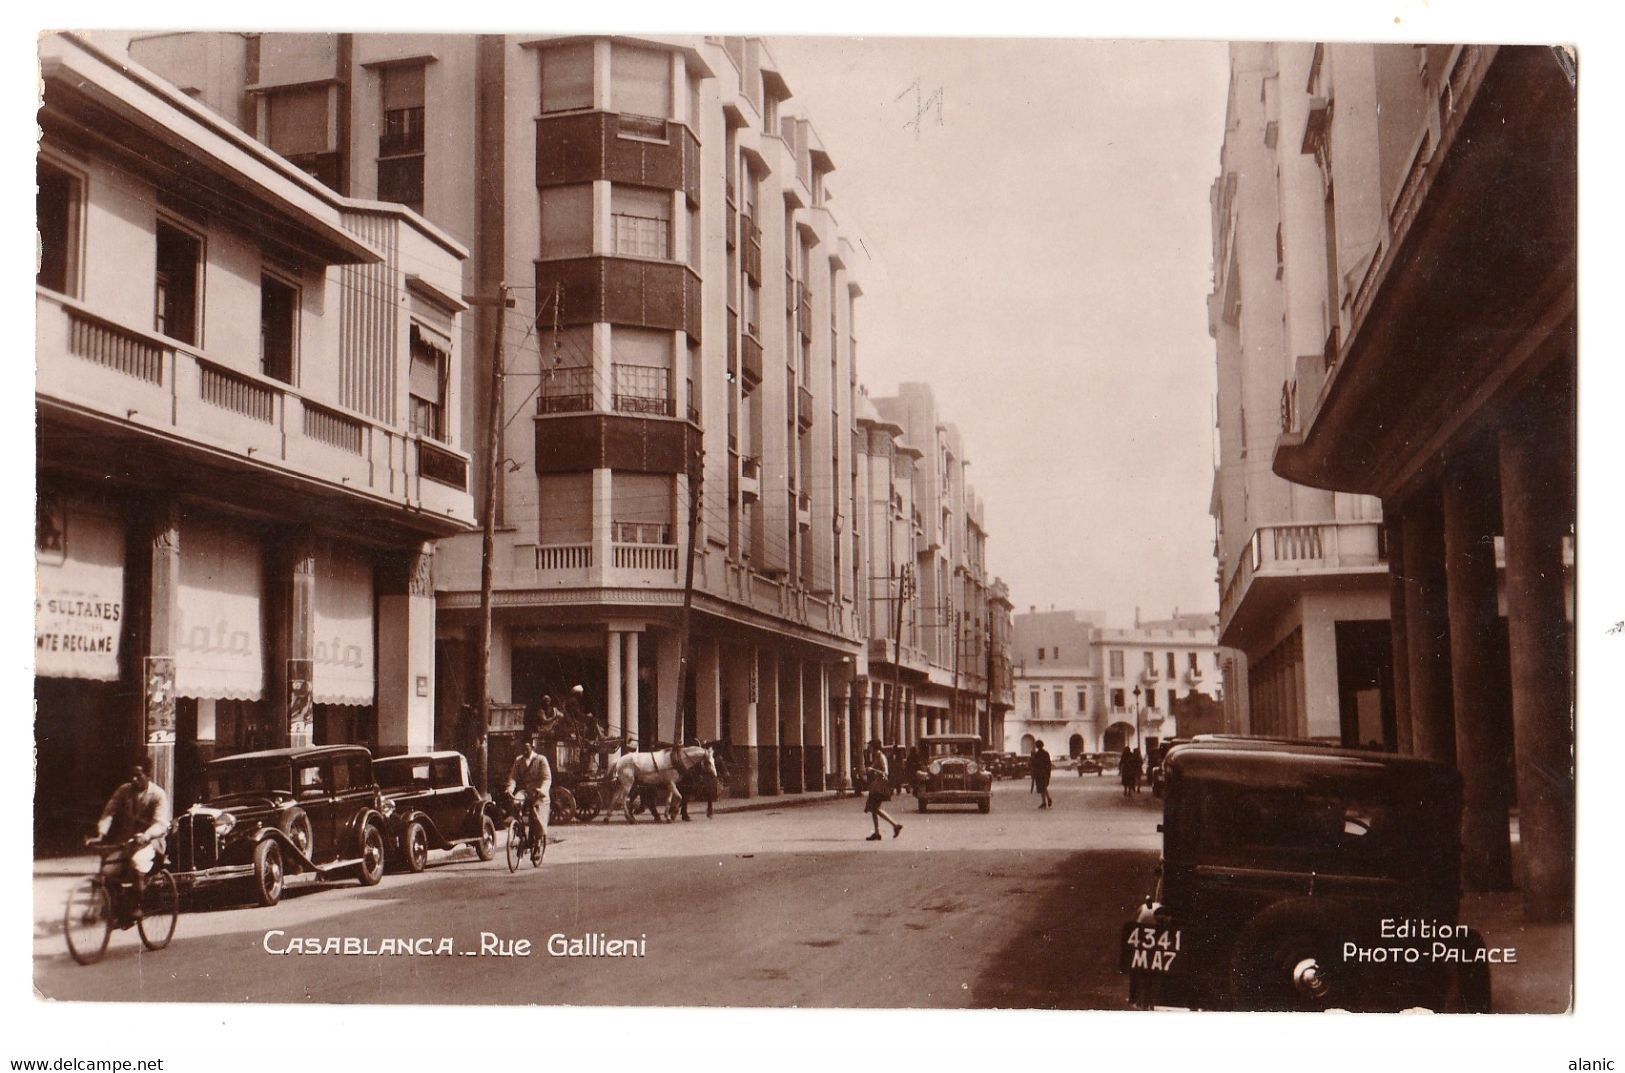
879	791
1042	767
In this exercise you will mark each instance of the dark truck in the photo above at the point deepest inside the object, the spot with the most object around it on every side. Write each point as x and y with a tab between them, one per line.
1297	876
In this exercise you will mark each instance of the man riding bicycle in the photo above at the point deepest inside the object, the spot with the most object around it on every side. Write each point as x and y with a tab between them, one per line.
532	777
138	813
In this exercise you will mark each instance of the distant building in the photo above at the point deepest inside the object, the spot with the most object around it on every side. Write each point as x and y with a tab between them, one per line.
1084	687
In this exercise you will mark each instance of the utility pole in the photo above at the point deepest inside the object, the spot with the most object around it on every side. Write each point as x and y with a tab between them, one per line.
987	733
696	477
953	716
905	585
493	451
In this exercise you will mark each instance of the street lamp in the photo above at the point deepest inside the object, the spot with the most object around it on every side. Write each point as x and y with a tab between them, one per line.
1138	712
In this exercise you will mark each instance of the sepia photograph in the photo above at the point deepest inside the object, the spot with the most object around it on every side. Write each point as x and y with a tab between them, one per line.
600	518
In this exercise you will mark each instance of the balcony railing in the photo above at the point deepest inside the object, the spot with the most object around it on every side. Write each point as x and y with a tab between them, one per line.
563	556
643	389
1290	550
566	391
153	383
403	132
662	557
804	407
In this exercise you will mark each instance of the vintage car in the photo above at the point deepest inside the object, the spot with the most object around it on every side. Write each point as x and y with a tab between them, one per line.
436	806
264	816
993	762
1014	766
952	772
1088	765
1296	876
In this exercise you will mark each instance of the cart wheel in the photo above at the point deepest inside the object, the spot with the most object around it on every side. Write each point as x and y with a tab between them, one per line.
587	803
564	807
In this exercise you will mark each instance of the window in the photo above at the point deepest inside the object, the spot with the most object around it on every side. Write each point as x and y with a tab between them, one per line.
297	121
567	77
1117	700
1083	701
400	146
1150	662
1055	653
642	222
640	81
1171	670
179	258
279	328
1191	656
58	207
1032	696
1041	655
431	358
1151	698
1116	656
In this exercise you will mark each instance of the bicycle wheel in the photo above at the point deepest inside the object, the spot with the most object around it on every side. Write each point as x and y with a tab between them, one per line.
88	922
160	907
538	848
515	844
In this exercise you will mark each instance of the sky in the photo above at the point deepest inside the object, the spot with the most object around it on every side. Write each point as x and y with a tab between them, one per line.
1037	215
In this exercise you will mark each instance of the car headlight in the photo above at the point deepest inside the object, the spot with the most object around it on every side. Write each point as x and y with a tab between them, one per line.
224	823
936	767
973	770
387	807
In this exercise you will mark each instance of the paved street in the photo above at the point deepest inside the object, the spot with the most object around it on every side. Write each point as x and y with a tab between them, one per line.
772	908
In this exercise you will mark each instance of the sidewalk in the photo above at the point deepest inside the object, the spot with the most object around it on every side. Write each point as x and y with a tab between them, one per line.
757	804
1542	979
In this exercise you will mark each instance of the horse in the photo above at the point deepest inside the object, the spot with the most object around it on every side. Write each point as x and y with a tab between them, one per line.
660	767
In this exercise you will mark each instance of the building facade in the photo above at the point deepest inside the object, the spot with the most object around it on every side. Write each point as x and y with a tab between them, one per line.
1084	687
1446	246
1302	570
682	453
237	486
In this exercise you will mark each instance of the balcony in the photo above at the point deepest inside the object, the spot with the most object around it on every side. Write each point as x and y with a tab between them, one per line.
623	290
750	476
804	318
1282	560
803	505
403	132
190	413
753	250
804	408
751	358
643	389
582	147
566	391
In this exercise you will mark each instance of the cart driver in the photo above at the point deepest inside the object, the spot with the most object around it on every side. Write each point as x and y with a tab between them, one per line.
532	776
575	706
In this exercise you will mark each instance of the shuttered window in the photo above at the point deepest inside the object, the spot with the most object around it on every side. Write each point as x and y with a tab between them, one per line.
567	77
640	81
297	120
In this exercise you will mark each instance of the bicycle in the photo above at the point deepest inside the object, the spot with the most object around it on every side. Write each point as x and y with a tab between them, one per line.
522	842
103	902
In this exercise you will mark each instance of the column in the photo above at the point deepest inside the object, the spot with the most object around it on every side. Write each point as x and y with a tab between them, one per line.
668	705
406	681
614	712
1427	628
629	687
825	735
298	641
1482	740
1535	514
1396	628
708	689
767	710
158	666
603	516
741	685
794	728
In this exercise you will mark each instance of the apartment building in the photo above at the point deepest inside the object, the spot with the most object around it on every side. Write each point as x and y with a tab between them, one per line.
238	473
1058	686
682	360
938	623
1302	570
1431	197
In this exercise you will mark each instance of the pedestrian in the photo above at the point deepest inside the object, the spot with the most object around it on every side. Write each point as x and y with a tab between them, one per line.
911	767
1041	768
879	778
1136	766
1125	772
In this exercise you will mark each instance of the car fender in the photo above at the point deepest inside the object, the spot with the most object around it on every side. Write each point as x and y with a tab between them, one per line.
293	859
358	823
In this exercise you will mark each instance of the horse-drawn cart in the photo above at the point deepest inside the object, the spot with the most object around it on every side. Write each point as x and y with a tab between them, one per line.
577	756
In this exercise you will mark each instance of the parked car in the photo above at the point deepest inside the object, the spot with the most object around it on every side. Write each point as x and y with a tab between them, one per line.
1088	765
993	762
953	773
268	815
1015	766
436	806
1288	868
1156	771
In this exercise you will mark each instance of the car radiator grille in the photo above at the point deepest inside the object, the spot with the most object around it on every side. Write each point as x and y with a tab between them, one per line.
194	846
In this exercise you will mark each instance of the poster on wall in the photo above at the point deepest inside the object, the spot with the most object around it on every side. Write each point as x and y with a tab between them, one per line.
160	706
79	595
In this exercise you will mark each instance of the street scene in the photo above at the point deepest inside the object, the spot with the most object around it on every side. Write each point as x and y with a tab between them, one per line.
1126	560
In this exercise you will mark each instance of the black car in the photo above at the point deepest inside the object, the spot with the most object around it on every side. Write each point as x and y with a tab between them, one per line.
267	815
1297	876
435	806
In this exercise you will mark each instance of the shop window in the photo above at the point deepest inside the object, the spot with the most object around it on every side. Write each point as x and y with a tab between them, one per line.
58	209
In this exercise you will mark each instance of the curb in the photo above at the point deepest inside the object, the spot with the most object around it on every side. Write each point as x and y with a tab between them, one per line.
761	804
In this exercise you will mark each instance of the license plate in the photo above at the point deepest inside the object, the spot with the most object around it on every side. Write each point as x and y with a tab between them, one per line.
1150	948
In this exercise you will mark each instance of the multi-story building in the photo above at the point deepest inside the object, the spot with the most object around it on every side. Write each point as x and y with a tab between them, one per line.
1432	201
246	441
1083	687
1302	571
938	625
665	378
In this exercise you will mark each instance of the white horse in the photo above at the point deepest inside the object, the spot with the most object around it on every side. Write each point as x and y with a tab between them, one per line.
661	767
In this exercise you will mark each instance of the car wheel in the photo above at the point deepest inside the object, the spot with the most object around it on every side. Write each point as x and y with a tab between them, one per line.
371	869
296	826
486	847
1289	957
415	843
268	874
984	807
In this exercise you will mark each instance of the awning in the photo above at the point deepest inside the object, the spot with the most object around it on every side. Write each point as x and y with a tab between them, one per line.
218	643
78	594
344	627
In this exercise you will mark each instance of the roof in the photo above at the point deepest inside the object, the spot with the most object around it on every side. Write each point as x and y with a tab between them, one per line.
412	758
950	737
1245	759
299	752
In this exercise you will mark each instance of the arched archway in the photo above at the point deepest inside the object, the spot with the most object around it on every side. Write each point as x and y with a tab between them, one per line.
1074	746
1117	736
1026	745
